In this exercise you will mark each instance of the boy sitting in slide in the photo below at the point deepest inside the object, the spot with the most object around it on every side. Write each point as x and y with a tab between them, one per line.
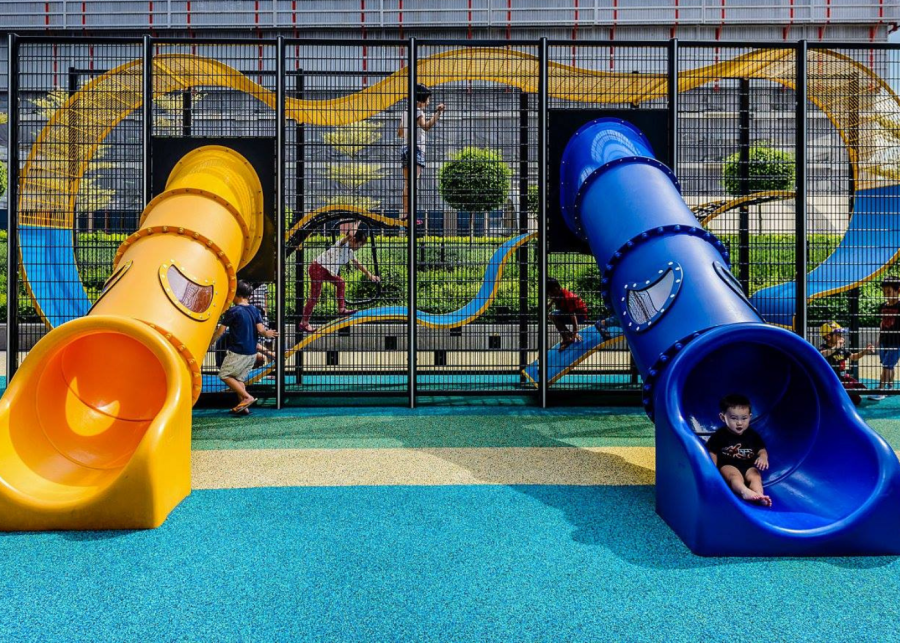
738	451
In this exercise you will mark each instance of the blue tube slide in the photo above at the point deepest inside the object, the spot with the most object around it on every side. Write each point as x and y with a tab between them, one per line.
834	482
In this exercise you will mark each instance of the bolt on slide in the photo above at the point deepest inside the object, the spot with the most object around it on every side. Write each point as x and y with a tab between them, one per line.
95	428
834	482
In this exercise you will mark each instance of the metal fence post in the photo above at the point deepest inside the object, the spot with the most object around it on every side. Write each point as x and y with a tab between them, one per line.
542	218
522	253
280	226
147	119
800	321
672	68
744	217
12	229
412	213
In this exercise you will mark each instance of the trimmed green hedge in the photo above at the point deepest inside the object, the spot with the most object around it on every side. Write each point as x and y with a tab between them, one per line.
475	180
450	278
769	169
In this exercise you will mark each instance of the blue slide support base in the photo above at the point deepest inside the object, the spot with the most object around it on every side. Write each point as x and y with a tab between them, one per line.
834	482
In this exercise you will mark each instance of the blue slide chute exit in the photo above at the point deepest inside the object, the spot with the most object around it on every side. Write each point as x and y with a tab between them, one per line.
834	482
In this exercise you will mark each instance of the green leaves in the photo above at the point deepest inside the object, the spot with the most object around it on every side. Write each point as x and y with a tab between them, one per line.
769	169
475	180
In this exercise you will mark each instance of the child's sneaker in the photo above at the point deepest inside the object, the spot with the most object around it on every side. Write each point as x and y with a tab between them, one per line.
877	398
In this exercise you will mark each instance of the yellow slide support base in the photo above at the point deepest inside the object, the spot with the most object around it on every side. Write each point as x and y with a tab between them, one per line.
95	427
95	430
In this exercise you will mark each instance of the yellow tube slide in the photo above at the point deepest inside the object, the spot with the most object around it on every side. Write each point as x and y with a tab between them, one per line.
95	427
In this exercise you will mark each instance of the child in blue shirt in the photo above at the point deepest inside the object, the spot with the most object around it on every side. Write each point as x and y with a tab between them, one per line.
244	323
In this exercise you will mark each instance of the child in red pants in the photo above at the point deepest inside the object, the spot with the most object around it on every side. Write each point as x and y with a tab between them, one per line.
326	267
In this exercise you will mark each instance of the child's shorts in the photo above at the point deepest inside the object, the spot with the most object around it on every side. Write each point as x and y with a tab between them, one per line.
889	356
236	366
420	157
743	467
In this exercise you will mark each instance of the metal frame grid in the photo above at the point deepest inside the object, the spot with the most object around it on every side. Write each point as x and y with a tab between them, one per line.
341	169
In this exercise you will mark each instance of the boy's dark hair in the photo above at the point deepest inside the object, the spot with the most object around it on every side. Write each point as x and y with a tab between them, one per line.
361	236
732	400
893	281
423	93
244	290
553	284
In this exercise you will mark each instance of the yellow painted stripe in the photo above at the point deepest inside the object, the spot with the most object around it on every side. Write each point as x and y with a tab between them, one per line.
591	466
247	468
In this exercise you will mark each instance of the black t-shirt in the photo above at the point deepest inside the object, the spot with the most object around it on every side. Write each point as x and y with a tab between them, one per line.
890	325
838	360
733	449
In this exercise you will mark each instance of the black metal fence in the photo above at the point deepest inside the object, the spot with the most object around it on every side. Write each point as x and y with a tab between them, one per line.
788	152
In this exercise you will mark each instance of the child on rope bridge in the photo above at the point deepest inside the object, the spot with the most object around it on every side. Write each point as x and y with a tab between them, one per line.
326	267
569	309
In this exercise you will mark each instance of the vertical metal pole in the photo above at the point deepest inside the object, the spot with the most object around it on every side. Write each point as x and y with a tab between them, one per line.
744	217
412	204
853	145
801	215
12	228
186	111
280	227
542	219
672	67
147	120
522	253
299	256
73	125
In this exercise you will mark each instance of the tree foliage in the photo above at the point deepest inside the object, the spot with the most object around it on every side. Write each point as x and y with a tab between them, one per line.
769	169
475	180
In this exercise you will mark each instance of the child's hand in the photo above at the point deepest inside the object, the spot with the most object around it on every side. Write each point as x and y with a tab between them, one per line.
762	462
440	108
375	278
870	349
270	334
576	337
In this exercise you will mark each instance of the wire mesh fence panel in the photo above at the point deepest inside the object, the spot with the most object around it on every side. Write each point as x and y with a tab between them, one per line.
737	163
476	283
854	134
590	81
346	254
81	179
222	94
80	175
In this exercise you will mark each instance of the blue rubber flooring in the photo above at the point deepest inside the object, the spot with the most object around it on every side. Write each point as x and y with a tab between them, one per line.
427	564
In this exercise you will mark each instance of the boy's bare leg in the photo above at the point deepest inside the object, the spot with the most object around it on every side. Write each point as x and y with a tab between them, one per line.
239	389
754	481
735	480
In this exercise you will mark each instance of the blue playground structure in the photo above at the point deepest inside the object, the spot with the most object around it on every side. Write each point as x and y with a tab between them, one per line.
835	483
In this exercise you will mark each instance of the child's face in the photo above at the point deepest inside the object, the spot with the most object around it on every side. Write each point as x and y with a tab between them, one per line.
834	339
736	418
890	293
424	103
356	244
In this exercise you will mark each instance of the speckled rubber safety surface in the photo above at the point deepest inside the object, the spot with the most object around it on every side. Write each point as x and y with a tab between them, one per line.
502	523
449	563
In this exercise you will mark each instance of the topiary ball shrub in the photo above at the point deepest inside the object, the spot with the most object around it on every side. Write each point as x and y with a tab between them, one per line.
475	180
769	169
